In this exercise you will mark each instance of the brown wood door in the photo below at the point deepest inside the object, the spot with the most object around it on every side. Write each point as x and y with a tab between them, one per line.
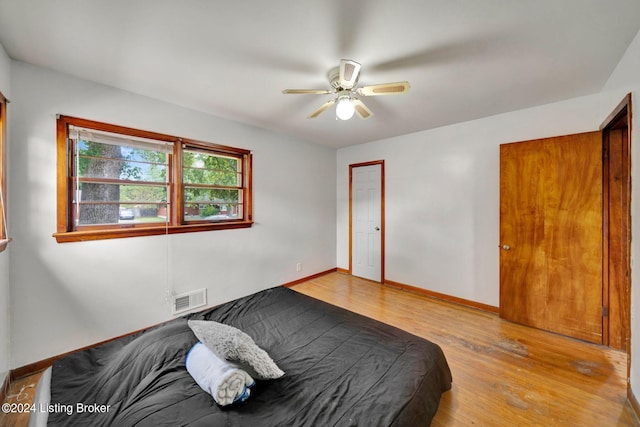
551	234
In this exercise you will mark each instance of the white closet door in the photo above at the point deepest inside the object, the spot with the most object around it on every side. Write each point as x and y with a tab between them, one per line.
366	222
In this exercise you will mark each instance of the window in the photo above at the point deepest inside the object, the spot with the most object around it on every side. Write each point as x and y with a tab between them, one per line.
121	182
3	176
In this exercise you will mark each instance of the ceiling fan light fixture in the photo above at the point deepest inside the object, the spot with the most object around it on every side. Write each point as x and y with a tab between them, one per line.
343	80
345	108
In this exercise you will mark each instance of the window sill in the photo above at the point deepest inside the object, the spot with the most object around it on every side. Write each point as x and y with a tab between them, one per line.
119	233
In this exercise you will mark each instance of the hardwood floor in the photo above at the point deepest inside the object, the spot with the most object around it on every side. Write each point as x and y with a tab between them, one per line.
504	374
21	392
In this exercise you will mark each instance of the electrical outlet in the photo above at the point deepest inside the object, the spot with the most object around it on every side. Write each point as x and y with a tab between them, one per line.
299	266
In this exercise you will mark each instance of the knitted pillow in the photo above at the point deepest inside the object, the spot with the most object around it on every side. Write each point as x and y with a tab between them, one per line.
232	344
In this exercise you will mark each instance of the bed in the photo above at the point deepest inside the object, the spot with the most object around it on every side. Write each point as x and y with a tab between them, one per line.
341	369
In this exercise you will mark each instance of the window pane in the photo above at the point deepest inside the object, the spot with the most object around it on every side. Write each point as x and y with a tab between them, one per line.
99	203
142	213
101	213
98	160
203	168
111	203
92	192
113	213
212	211
212	204
142	194
208	195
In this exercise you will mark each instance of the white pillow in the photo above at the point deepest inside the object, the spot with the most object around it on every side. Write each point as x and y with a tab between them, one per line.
232	344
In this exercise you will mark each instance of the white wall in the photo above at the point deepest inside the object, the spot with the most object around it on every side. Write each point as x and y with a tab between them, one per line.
5	66
442	195
65	296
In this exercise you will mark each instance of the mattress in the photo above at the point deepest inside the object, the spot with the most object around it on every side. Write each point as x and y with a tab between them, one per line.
341	369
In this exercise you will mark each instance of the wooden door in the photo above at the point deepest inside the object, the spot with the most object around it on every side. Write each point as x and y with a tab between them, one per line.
551	234
366	221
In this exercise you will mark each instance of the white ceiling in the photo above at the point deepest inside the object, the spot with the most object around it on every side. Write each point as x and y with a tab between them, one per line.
464	59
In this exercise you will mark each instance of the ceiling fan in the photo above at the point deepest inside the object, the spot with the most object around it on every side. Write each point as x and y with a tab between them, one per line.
344	79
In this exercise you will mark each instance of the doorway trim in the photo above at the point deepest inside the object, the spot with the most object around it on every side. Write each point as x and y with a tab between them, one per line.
382	209
621	113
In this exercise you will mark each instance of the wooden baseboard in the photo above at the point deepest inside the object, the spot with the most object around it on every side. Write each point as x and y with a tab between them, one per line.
306	279
5	387
633	403
343	270
444	297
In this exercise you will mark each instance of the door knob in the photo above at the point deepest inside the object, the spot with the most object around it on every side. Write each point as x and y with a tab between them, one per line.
377	228
506	247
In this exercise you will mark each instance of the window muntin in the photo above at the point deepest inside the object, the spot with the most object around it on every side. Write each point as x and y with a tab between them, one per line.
122	182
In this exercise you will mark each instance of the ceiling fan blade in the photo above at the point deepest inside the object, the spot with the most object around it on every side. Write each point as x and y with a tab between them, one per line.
361	109
321	109
307	91
384	89
349	73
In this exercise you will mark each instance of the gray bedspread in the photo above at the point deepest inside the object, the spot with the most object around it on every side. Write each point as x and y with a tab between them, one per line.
342	369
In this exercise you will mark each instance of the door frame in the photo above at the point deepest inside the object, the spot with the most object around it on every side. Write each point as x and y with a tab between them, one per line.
623	111
382	219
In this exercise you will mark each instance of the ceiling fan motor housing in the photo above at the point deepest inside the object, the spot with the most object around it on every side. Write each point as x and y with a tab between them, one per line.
334	78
